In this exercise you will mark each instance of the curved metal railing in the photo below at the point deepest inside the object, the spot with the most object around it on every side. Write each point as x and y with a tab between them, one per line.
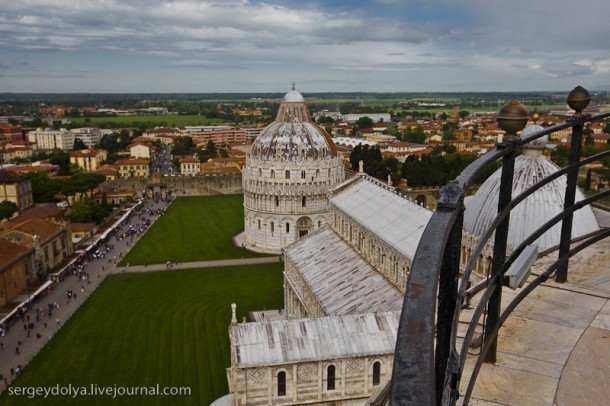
428	363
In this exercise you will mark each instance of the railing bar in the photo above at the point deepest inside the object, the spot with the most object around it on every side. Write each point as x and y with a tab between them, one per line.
522	295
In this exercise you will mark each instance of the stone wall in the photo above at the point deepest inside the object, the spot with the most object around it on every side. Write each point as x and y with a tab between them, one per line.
307	382
179	185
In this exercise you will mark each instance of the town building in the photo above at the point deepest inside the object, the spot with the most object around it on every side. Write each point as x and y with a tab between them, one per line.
48	140
140	149
376	117
289	171
88	159
88	135
133	168
16	188
16	264
218	135
10	133
190	166
51	243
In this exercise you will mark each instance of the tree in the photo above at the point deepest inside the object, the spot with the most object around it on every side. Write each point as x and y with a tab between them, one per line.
416	135
109	143
463	114
78	145
211	148
7	209
364	122
560	155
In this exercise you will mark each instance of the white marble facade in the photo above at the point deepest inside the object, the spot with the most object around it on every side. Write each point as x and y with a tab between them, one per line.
287	177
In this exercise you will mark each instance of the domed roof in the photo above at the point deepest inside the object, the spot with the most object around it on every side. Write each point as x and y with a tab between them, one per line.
534	211
540	143
293	136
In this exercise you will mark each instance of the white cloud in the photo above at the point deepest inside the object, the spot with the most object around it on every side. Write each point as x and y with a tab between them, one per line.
474	43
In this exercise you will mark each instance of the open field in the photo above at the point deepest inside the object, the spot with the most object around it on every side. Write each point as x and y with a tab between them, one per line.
143	329
194	229
167	120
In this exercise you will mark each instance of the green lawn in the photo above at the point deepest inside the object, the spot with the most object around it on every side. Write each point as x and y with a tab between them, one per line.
167	328
194	229
168	120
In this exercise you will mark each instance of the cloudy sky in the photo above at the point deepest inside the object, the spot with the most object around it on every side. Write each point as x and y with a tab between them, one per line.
322	45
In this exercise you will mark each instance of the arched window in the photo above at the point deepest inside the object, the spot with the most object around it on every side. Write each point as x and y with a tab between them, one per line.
376	373
281	383
277	201
272	174
330	377
303	201
287	174
272	227
302	174
287	227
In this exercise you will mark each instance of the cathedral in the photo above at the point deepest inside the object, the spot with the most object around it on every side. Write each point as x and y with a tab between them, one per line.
288	173
346	269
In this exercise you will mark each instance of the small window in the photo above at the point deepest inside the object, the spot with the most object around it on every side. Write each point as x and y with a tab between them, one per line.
260	172
259	224
376	373
277	201
281	383
302	174
304	201
272	174
330	377
287	227
287	174
272	227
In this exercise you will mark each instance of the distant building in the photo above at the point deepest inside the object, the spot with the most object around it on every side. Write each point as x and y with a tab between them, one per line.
376	117
141	149
51	242
190	166
16	264
88	135
89	159
16	188
48	140
219	136
10	133
133	168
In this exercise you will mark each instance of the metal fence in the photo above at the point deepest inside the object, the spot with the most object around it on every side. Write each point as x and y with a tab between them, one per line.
428	362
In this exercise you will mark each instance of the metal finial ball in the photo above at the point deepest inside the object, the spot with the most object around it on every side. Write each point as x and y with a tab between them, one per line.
513	117
579	99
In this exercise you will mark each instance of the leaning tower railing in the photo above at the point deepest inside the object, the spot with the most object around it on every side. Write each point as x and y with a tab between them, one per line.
428	362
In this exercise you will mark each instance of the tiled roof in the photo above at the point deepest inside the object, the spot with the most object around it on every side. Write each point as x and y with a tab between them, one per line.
10	251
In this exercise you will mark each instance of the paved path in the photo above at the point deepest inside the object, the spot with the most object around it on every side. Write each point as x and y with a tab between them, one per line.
197	264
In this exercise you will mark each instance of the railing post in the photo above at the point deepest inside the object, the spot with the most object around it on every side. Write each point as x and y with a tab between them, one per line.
578	99
447	289
512	118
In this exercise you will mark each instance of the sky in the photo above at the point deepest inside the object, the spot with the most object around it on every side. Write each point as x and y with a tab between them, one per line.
203	46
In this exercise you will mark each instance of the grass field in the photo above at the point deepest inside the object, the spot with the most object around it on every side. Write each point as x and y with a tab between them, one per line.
167	328
168	120
197	229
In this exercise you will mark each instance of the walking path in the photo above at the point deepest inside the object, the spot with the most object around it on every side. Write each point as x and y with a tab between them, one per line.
25	338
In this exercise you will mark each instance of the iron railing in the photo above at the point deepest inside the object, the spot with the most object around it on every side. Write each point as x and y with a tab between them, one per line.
428	364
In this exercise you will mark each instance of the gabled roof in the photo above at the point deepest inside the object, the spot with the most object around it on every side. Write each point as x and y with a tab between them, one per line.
342	281
36	226
394	219
10	251
301	340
